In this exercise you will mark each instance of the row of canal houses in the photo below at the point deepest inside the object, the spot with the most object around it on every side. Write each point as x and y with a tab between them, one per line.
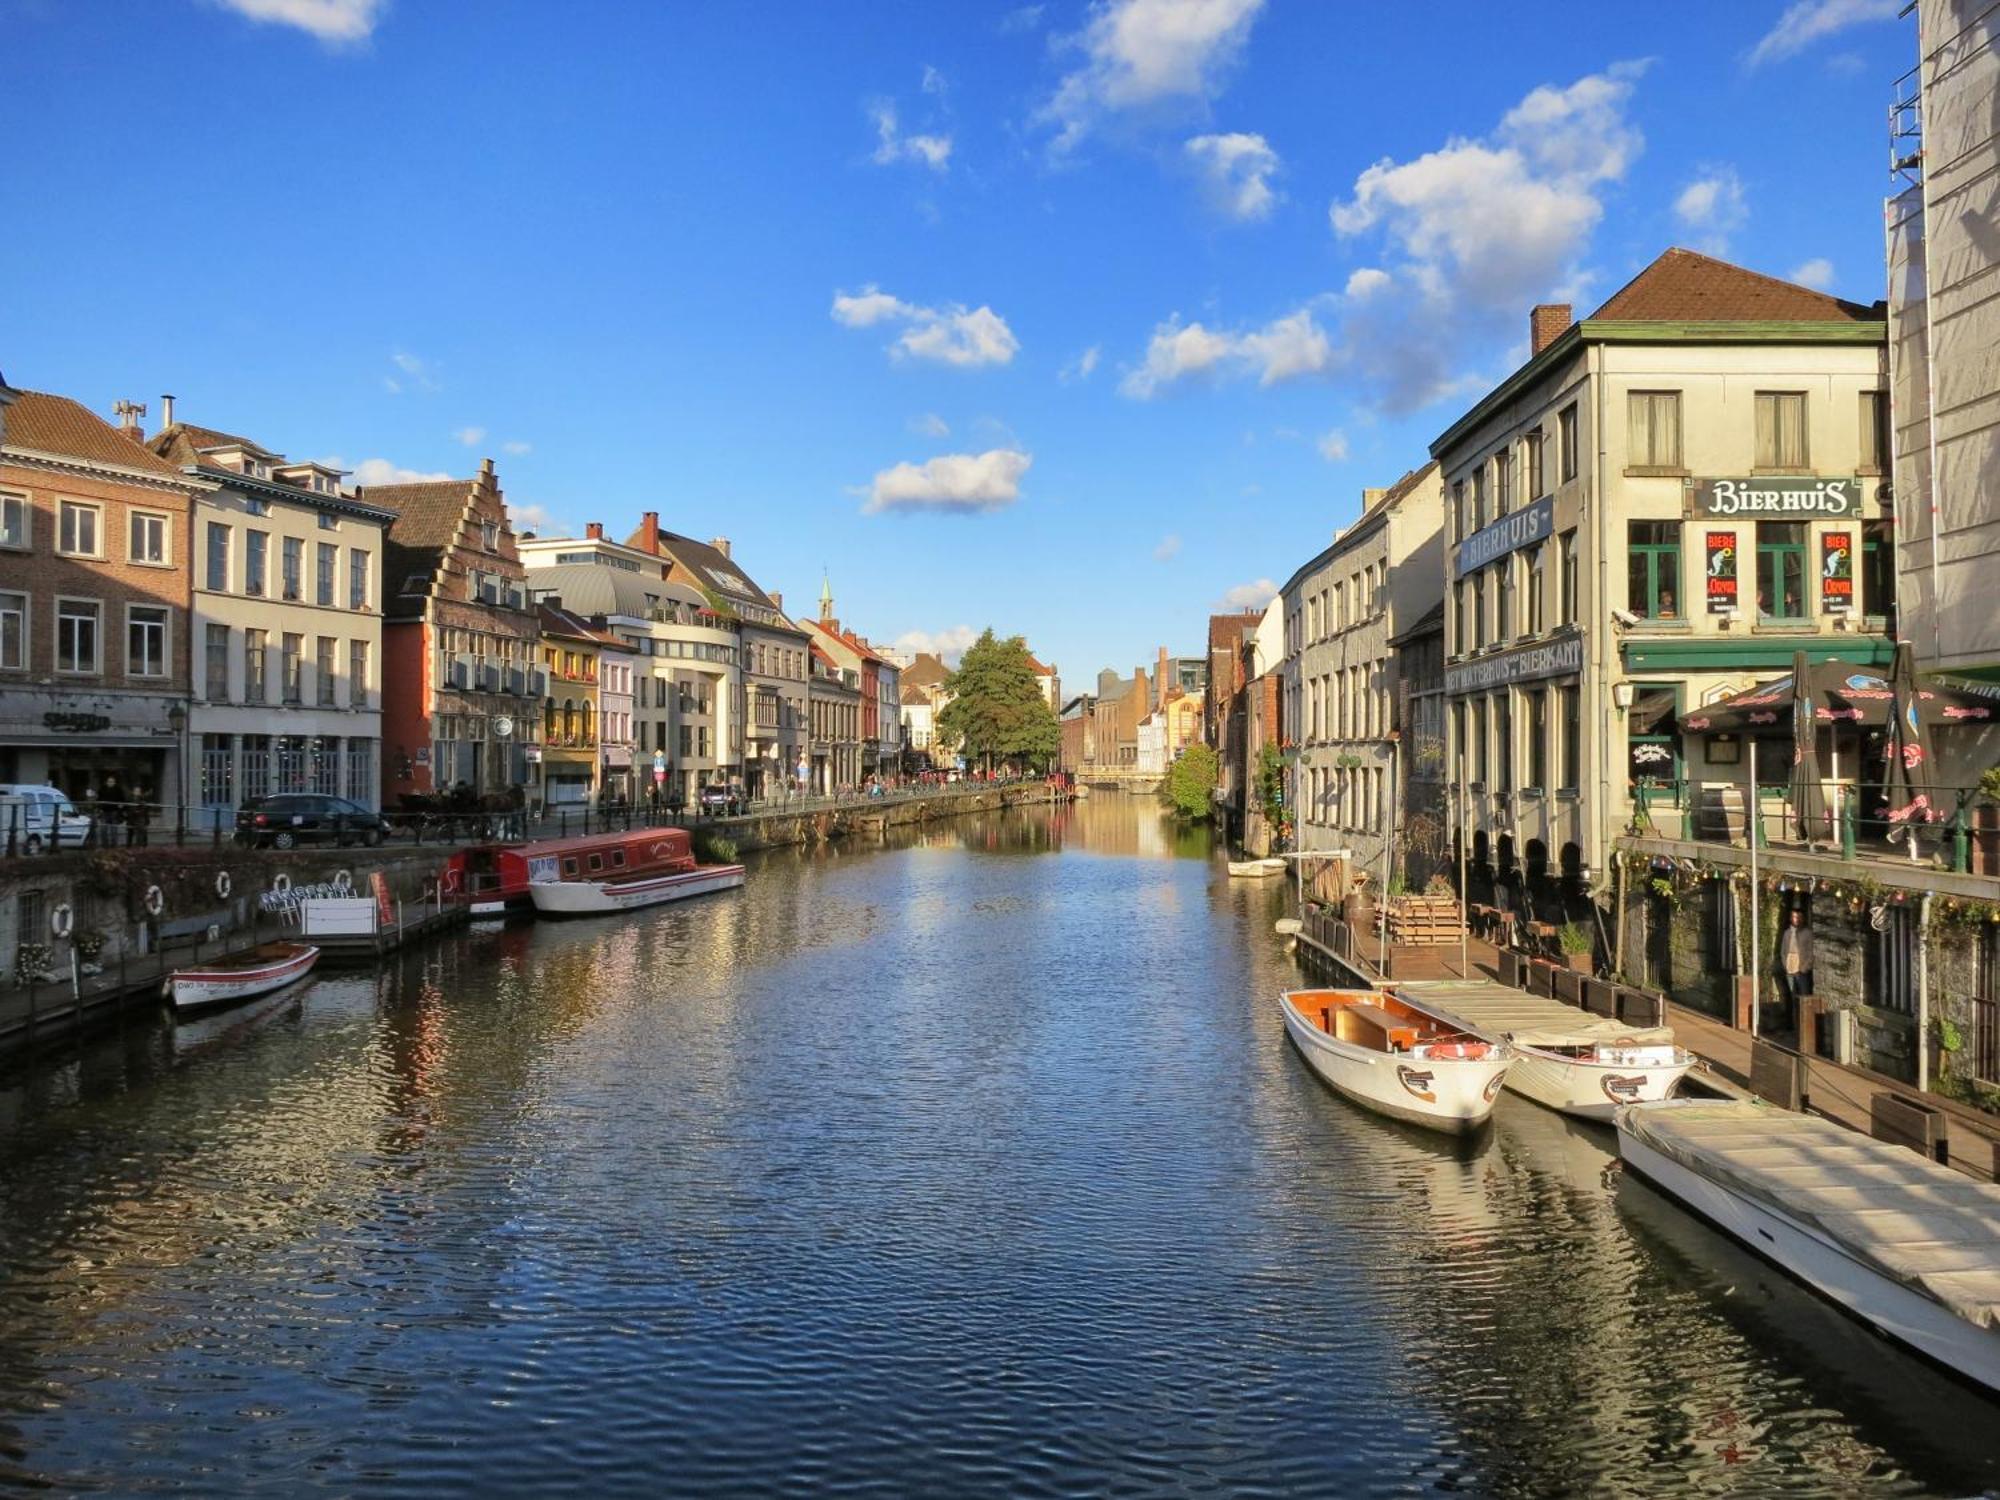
188	620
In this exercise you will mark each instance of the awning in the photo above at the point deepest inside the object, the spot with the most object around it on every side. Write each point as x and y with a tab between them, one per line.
1840	693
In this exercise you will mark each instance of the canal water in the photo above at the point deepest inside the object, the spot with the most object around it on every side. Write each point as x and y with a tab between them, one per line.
974	1165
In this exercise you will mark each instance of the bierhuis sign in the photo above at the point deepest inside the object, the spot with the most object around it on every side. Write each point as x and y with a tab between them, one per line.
1774	496
1523	528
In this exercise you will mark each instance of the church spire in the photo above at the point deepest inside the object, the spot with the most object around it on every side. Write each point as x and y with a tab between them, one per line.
825	596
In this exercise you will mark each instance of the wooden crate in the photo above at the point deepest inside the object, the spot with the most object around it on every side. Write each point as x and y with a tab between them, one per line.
1424	921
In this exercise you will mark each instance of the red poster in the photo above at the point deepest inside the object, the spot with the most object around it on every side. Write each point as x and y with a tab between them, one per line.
1721	552
385	909
1836	569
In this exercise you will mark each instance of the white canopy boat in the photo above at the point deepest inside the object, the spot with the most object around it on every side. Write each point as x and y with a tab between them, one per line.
1395	1056
1566	1058
1256	869
1908	1246
242	976
610	872
577	898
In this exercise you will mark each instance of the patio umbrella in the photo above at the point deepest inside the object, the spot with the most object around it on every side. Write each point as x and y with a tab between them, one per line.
1808	797
1907	775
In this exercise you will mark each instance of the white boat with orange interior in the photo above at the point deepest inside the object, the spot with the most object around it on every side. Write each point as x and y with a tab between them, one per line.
612	872
1398	1057
242	976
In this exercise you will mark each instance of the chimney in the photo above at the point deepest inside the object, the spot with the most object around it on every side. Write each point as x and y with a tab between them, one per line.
1371	498
720	544
128	414
166	412
777	601
1546	324
649	532
594	531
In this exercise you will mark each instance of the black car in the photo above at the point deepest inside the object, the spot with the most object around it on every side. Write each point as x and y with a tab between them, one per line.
289	819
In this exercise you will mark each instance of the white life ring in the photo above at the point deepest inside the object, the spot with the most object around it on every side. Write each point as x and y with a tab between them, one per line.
222	884
343	882
214	933
61	920
281	883
156	901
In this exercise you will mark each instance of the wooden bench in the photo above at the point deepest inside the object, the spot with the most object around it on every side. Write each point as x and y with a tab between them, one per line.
1372	1026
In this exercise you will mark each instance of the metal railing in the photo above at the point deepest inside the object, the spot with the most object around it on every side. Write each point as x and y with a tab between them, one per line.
1855	822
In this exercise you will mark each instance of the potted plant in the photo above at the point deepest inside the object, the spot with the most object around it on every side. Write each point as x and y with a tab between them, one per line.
34	963
1577	945
90	943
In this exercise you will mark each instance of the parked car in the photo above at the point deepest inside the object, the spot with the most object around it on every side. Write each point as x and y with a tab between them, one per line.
288	819
40	817
721	797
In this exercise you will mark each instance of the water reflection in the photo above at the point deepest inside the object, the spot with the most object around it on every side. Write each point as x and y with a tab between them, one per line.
973	1164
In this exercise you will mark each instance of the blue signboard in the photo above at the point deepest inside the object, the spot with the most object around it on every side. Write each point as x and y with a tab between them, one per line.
1523	528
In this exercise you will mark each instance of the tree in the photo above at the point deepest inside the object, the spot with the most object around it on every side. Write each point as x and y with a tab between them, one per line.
1190	781
997	711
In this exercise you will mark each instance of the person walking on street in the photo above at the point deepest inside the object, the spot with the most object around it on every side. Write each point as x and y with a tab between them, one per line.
1795	964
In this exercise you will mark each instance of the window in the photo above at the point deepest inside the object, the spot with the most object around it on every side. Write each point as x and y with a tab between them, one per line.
1878	568
1478	761
327	520
1503	482
255	652
1566	441
146	640
1503	742
489	535
1781	570
1503	589
1459	517
295	562
1891	954
1479	609
323	669
1781	430
1653	569
218	663
148	537
218	771
77	623
1535	557
256	558
1653	430
13	632
1538	739
77	529
357	579
1875	449
1531	453
1458	636
289	668
13	520
329	563
357	674
218	557
1566	561
1572	731
1479	497
1652	743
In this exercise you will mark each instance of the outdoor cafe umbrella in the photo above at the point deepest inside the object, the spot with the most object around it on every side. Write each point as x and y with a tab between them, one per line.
1907	773
1808	800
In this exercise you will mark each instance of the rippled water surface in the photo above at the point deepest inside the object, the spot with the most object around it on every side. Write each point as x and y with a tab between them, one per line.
978	1164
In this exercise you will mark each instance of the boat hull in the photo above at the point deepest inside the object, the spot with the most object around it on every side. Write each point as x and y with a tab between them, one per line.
1809	1257
1255	869
1587	1089
586	898
1393	1084
202	989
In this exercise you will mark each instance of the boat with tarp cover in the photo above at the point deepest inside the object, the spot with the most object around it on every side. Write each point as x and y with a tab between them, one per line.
1905	1244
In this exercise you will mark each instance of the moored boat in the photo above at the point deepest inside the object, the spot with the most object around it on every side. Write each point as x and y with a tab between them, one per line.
1256	869
1565	1058
241	976
1900	1242
1397	1057
614	872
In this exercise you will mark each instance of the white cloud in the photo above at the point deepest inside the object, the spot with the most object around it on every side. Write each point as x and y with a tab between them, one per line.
412	373
934	81
472	437
1807	21
1144	55
1286	348
952	335
516	448
1248	596
1080	367
382	471
1169	547
1235	171
960	483
1366	282
934	151
1816	273
931	425
333	21
1333	446
1714	207
535	518
1023	18
946	645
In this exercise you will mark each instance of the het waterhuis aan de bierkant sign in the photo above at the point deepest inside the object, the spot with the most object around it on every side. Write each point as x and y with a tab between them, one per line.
1774	497
1521	528
1562	657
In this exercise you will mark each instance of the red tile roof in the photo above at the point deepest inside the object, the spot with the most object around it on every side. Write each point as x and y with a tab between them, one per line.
55	424
1684	286
182	443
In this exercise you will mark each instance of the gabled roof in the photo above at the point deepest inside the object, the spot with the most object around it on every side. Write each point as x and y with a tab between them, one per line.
40	423
1685	286
711	567
927	671
1040	670
1404	486
183	443
427	520
915	696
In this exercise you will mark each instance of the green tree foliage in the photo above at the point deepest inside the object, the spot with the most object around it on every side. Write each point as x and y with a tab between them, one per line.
997	711
1189	781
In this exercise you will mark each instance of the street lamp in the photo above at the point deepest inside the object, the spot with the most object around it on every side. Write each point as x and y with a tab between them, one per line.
177	722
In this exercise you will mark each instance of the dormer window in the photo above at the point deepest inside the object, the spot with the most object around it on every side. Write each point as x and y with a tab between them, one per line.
489	535
257	507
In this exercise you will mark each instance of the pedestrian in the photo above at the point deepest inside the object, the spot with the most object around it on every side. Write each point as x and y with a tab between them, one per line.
1795	966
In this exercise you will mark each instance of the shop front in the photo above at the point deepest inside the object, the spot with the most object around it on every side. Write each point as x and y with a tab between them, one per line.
106	749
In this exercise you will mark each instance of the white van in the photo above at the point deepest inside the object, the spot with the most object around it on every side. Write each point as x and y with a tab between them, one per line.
39	818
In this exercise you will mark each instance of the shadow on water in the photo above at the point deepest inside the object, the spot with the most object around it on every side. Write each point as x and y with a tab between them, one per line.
970	1161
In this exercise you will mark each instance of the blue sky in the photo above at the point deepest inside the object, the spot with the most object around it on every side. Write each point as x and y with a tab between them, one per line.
1075	319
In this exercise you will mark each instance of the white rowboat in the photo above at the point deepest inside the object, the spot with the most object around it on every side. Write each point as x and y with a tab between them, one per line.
1568	1059
582	898
1396	1057
229	980
1256	869
1904	1244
